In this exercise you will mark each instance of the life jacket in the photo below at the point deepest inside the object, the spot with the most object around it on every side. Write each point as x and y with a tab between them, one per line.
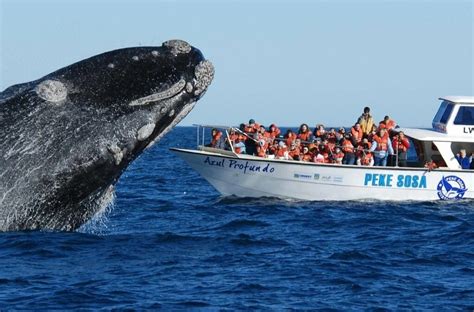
360	149
382	142
401	146
338	157
290	138
275	133
366	124
294	153
319	133
215	138
307	157
319	158
390	124
305	136
366	159
357	134
281	152
347	146
262	147
252	128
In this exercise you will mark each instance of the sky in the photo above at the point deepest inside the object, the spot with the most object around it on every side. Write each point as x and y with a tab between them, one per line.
283	62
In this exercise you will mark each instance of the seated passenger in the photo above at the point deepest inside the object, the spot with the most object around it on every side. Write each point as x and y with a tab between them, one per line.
304	134
282	151
216	135
294	152
238	141
262	148
307	155
463	160
337	156
289	137
274	131
319	131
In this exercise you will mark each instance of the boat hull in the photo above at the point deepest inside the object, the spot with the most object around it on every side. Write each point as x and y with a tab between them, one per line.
249	176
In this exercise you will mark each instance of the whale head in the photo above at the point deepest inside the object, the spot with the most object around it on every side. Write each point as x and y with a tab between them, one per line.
67	137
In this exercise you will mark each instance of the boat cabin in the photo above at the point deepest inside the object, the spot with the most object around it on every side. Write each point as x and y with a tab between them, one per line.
452	130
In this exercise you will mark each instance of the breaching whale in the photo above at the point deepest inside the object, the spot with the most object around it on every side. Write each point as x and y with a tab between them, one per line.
66	138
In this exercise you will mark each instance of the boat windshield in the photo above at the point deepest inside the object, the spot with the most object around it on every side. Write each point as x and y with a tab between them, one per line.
465	116
444	112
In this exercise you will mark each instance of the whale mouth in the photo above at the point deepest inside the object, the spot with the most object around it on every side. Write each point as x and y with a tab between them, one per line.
166	94
203	76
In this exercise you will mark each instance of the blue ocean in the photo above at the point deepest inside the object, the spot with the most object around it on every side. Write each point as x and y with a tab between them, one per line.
171	242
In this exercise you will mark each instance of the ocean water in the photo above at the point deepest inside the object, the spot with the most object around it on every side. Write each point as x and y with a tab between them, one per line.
171	242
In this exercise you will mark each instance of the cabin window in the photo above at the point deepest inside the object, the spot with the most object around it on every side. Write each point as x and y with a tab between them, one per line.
465	116
446	114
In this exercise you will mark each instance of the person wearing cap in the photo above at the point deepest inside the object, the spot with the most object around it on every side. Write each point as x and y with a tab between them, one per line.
366	121
262	146
252	126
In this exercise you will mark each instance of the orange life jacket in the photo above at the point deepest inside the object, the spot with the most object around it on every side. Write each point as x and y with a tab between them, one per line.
401	146
382	143
347	146
290	138
390	124
295	153
366	159
357	134
252	128
280	152
307	157
215	138
338	157
305	136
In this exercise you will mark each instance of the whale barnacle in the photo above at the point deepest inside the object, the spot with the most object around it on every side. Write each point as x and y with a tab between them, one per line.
178	46
52	91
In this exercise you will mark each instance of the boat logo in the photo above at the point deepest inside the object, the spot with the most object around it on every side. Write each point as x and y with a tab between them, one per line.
451	187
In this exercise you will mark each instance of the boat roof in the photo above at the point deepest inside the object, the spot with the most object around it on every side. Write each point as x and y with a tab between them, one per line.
458	99
425	134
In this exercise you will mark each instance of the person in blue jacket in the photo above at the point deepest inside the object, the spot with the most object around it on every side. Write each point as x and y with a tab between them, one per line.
463	159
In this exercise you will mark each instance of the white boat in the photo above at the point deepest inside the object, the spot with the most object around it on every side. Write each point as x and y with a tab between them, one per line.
252	176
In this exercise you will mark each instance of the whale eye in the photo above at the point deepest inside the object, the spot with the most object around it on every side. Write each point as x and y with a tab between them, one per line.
51	91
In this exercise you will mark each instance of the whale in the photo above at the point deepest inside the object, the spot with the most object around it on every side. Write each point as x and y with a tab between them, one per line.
66	138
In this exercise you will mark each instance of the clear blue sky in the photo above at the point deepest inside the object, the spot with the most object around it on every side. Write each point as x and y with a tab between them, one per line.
286	62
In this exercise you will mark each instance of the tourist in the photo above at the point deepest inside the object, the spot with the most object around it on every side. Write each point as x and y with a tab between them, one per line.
364	156
252	126
357	133
463	160
304	134
381	147
348	149
216	135
400	145
337	156
366	121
